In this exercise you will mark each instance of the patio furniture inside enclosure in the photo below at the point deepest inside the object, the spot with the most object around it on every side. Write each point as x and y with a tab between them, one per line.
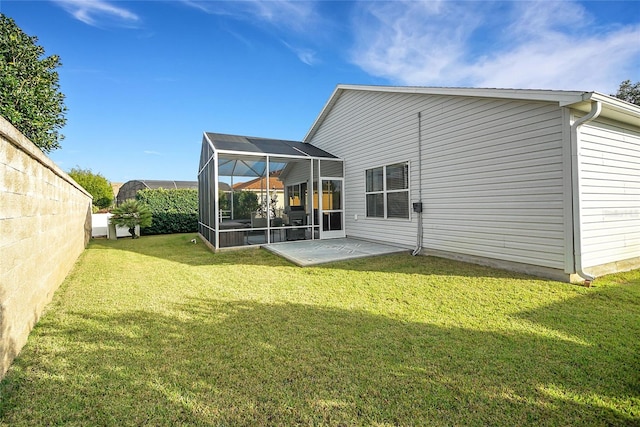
260	191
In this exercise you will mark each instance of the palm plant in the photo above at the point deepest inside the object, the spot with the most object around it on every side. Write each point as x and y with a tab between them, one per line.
130	214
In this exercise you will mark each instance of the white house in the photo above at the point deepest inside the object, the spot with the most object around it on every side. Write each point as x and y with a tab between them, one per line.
546	182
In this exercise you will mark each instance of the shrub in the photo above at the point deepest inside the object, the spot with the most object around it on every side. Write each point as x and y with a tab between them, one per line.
96	185
173	210
131	214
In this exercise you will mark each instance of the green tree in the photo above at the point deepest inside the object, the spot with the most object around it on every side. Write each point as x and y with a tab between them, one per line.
629	92
96	184
30	97
244	203
130	214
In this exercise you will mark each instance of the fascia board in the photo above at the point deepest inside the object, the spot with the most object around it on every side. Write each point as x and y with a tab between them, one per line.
520	94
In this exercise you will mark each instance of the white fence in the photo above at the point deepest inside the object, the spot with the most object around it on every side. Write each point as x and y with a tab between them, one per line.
102	228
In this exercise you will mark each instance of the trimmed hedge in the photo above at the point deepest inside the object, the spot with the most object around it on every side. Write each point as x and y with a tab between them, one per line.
173	210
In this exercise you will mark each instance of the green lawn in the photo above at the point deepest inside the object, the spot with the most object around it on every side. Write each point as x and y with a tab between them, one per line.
158	331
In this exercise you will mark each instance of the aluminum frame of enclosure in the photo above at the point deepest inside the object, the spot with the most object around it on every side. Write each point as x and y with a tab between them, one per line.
228	156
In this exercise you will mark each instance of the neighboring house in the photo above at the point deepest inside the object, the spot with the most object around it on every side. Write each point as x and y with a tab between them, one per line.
545	182
129	189
275	191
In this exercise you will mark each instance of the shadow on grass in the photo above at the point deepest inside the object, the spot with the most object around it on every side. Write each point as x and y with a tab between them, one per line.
178	248
212	362
609	320
425	265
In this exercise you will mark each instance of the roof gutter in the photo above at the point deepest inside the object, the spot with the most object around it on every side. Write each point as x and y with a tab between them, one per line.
596	109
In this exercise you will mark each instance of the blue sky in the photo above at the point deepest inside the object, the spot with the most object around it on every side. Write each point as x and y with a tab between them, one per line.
143	80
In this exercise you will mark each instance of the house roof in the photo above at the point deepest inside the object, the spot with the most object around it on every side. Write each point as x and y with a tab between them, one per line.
613	108
261	183
245	156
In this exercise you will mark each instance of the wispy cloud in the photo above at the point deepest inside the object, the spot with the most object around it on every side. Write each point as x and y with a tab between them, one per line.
291	15
283	19
295	15
526	44
306	55
152	153
413	42
596	62
99	13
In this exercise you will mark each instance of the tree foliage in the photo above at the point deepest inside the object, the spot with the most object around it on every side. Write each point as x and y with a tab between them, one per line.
96	185
629	92
173	210
130	214
30	97
244	203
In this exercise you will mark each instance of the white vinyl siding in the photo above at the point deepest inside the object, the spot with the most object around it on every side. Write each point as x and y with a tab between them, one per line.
297	172
492	172
610	192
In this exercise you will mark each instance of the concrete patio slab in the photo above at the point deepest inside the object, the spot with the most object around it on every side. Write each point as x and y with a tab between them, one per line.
312	252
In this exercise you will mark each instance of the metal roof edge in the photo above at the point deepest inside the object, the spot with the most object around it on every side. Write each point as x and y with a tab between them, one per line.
324	112
524	94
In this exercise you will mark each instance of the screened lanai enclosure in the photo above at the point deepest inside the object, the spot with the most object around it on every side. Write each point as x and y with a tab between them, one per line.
232	215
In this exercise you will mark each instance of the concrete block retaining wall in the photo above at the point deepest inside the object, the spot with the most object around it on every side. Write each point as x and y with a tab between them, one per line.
45	224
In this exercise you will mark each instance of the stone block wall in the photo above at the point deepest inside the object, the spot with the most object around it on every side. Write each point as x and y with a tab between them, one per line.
45	224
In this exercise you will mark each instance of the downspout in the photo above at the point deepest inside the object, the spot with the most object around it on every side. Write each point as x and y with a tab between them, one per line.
419	233
596	109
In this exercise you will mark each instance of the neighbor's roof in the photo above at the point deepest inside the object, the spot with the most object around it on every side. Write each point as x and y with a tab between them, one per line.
129	189
261	183
613	108
167	185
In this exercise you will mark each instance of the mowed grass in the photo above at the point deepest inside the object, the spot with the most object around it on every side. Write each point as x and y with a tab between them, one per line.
159	331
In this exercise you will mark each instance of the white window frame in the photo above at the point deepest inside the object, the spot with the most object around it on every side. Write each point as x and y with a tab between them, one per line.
385	192
303	200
